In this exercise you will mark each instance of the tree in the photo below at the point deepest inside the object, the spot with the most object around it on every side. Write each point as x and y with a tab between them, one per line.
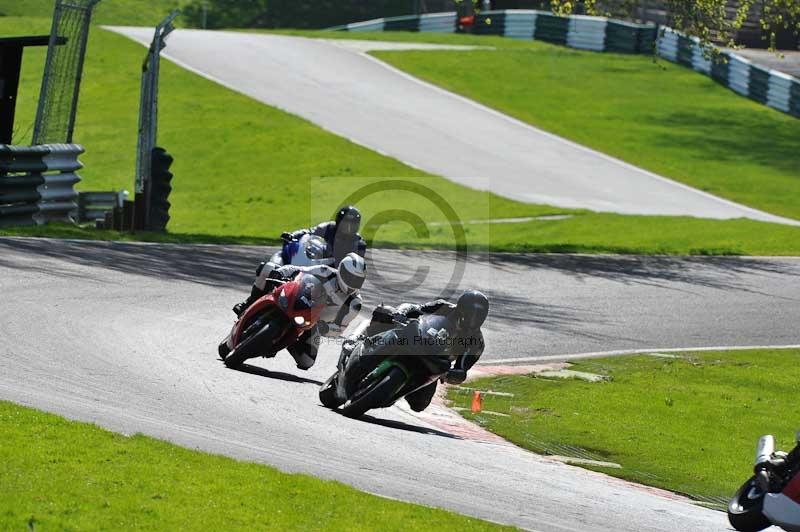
709	20
226	13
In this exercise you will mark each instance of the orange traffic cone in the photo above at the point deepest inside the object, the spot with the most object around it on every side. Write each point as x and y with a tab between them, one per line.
477	402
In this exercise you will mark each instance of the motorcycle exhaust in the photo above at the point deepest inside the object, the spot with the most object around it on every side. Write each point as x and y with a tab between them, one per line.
764	452
765	449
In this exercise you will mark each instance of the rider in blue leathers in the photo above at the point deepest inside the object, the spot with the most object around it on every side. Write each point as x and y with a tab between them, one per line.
341	236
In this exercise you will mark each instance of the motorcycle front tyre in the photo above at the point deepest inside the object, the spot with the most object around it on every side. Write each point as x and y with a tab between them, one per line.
252	346
377	395
327	393
745	512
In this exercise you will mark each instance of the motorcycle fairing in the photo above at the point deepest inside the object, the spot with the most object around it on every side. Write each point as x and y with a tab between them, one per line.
283	299
782	511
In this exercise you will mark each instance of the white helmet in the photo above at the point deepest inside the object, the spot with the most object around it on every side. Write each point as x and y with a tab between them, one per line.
352	272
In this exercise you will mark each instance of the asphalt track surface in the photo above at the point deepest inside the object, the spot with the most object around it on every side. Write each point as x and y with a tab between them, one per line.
125	335
339	87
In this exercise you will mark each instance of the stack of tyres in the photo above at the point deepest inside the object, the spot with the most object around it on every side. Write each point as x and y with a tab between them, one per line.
438	23
686	51
758	85
520	24
551	28
367	25
490	23
587	33
407	23
719	68
622	37
647	39
779	94
667	44
794	99
701	57
739	74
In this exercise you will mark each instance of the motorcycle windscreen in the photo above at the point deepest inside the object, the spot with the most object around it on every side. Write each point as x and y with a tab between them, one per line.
310	294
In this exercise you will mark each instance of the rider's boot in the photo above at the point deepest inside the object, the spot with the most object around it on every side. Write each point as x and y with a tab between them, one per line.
255	293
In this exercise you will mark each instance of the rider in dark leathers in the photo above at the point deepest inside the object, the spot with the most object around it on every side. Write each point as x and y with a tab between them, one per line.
341	235
463	323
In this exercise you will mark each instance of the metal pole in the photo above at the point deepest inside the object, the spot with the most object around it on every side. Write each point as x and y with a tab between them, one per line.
85	34
148	118
51	49
205	14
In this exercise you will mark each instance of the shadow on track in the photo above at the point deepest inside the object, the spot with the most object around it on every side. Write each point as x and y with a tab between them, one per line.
401	425
224	266
279	375
711	272
233	266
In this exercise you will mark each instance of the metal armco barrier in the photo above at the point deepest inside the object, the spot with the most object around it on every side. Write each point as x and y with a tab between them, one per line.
770	87
577	31
93	206
37	183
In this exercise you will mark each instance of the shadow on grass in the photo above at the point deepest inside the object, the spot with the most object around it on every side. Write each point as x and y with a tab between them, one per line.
750	136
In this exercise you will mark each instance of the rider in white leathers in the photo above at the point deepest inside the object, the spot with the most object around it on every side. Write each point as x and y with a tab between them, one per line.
342	288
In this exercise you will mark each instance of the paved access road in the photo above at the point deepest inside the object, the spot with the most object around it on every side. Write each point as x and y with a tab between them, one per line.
125	335
334	84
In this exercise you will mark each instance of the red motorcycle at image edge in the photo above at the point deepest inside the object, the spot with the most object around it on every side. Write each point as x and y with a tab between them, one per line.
275	321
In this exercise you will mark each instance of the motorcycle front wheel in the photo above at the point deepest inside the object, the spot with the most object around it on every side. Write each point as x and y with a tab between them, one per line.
255	343
376	395
327	393
746	509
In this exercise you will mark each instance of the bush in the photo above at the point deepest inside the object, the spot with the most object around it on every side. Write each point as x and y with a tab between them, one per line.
227	13
293	13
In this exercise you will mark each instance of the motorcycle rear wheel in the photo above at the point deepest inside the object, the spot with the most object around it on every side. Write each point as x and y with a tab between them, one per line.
746	509
376	395
252	346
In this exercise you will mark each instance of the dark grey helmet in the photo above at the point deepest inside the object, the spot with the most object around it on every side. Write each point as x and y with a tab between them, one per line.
471	310
348	220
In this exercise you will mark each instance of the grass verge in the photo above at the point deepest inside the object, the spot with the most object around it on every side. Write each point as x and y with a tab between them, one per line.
63	475
120	12
245	172
687	424
651	113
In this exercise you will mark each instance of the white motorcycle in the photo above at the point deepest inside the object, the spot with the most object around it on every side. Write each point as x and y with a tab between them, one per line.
772	495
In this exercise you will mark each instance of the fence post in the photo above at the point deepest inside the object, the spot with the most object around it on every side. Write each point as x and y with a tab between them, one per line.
148	122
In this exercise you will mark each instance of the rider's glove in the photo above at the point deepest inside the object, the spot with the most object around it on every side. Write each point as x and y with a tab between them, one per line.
455	376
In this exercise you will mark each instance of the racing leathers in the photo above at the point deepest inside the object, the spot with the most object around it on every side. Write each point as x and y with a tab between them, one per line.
339	243
466	351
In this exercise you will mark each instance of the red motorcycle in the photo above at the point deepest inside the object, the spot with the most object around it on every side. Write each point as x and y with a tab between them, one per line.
275	321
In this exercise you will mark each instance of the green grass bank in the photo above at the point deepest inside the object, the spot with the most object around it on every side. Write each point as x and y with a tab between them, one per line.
118	12
651	113
63	475
687	424
270	171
